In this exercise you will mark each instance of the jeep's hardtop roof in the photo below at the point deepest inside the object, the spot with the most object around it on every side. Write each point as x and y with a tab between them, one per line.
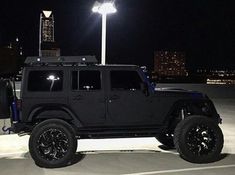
68	61
60	60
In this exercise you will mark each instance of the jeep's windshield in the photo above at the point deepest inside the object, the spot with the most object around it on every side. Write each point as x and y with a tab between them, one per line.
147	78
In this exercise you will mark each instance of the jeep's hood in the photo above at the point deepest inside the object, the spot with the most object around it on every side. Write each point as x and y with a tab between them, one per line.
175	90
172	89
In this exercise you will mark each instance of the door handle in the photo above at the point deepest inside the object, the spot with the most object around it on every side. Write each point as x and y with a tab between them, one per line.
114	97
77	97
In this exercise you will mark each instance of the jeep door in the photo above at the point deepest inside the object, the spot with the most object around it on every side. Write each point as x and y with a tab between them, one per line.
87	96
127	104
42	87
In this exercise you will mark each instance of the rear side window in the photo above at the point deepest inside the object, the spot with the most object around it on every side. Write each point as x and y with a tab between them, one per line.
125	80
45	81
88	80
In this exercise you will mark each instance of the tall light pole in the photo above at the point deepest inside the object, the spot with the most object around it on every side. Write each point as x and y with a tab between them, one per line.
104	9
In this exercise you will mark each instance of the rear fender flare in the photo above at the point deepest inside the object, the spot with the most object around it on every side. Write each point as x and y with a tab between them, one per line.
45	112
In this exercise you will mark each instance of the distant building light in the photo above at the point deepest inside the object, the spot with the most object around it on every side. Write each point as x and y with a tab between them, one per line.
220	81
172	62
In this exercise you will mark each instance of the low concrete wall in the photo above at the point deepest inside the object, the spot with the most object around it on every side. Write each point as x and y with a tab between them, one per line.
213	91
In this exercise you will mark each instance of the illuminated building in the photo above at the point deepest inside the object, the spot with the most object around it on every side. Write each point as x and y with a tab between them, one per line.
47	44
169	64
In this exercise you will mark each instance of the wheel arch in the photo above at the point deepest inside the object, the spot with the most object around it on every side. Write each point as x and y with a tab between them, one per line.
191	107
43	112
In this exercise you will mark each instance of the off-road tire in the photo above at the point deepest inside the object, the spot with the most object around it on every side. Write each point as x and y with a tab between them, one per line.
42	146
198	139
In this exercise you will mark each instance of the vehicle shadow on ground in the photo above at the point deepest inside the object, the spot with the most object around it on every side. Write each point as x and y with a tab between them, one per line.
165	148
223	156
77	158
135	161
25	160
108	162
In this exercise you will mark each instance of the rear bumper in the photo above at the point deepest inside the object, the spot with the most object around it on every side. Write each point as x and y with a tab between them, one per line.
21	127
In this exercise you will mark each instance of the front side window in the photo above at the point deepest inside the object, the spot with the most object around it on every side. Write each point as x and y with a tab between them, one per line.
45	81
89	80
125	80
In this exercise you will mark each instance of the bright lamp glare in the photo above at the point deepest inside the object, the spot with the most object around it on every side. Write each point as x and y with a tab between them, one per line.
95	9
52	78
104	8
47	13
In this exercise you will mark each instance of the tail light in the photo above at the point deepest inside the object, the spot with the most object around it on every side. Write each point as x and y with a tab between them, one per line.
19	104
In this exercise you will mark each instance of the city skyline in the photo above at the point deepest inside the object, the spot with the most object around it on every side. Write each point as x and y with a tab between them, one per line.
203	30
169	63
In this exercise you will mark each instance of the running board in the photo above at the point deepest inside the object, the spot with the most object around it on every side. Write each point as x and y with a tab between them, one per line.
110	133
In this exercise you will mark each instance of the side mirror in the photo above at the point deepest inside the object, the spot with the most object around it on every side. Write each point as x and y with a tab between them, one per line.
144	88
153	84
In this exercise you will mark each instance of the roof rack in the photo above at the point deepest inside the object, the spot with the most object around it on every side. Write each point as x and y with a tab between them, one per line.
61	60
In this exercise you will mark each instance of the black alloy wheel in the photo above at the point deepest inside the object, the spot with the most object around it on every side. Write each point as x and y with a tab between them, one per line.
201	140
198	139
53	143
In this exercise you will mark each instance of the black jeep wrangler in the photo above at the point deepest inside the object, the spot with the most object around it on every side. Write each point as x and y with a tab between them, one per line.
68	98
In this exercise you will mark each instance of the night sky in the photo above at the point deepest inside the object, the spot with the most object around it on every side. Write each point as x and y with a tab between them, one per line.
204	29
